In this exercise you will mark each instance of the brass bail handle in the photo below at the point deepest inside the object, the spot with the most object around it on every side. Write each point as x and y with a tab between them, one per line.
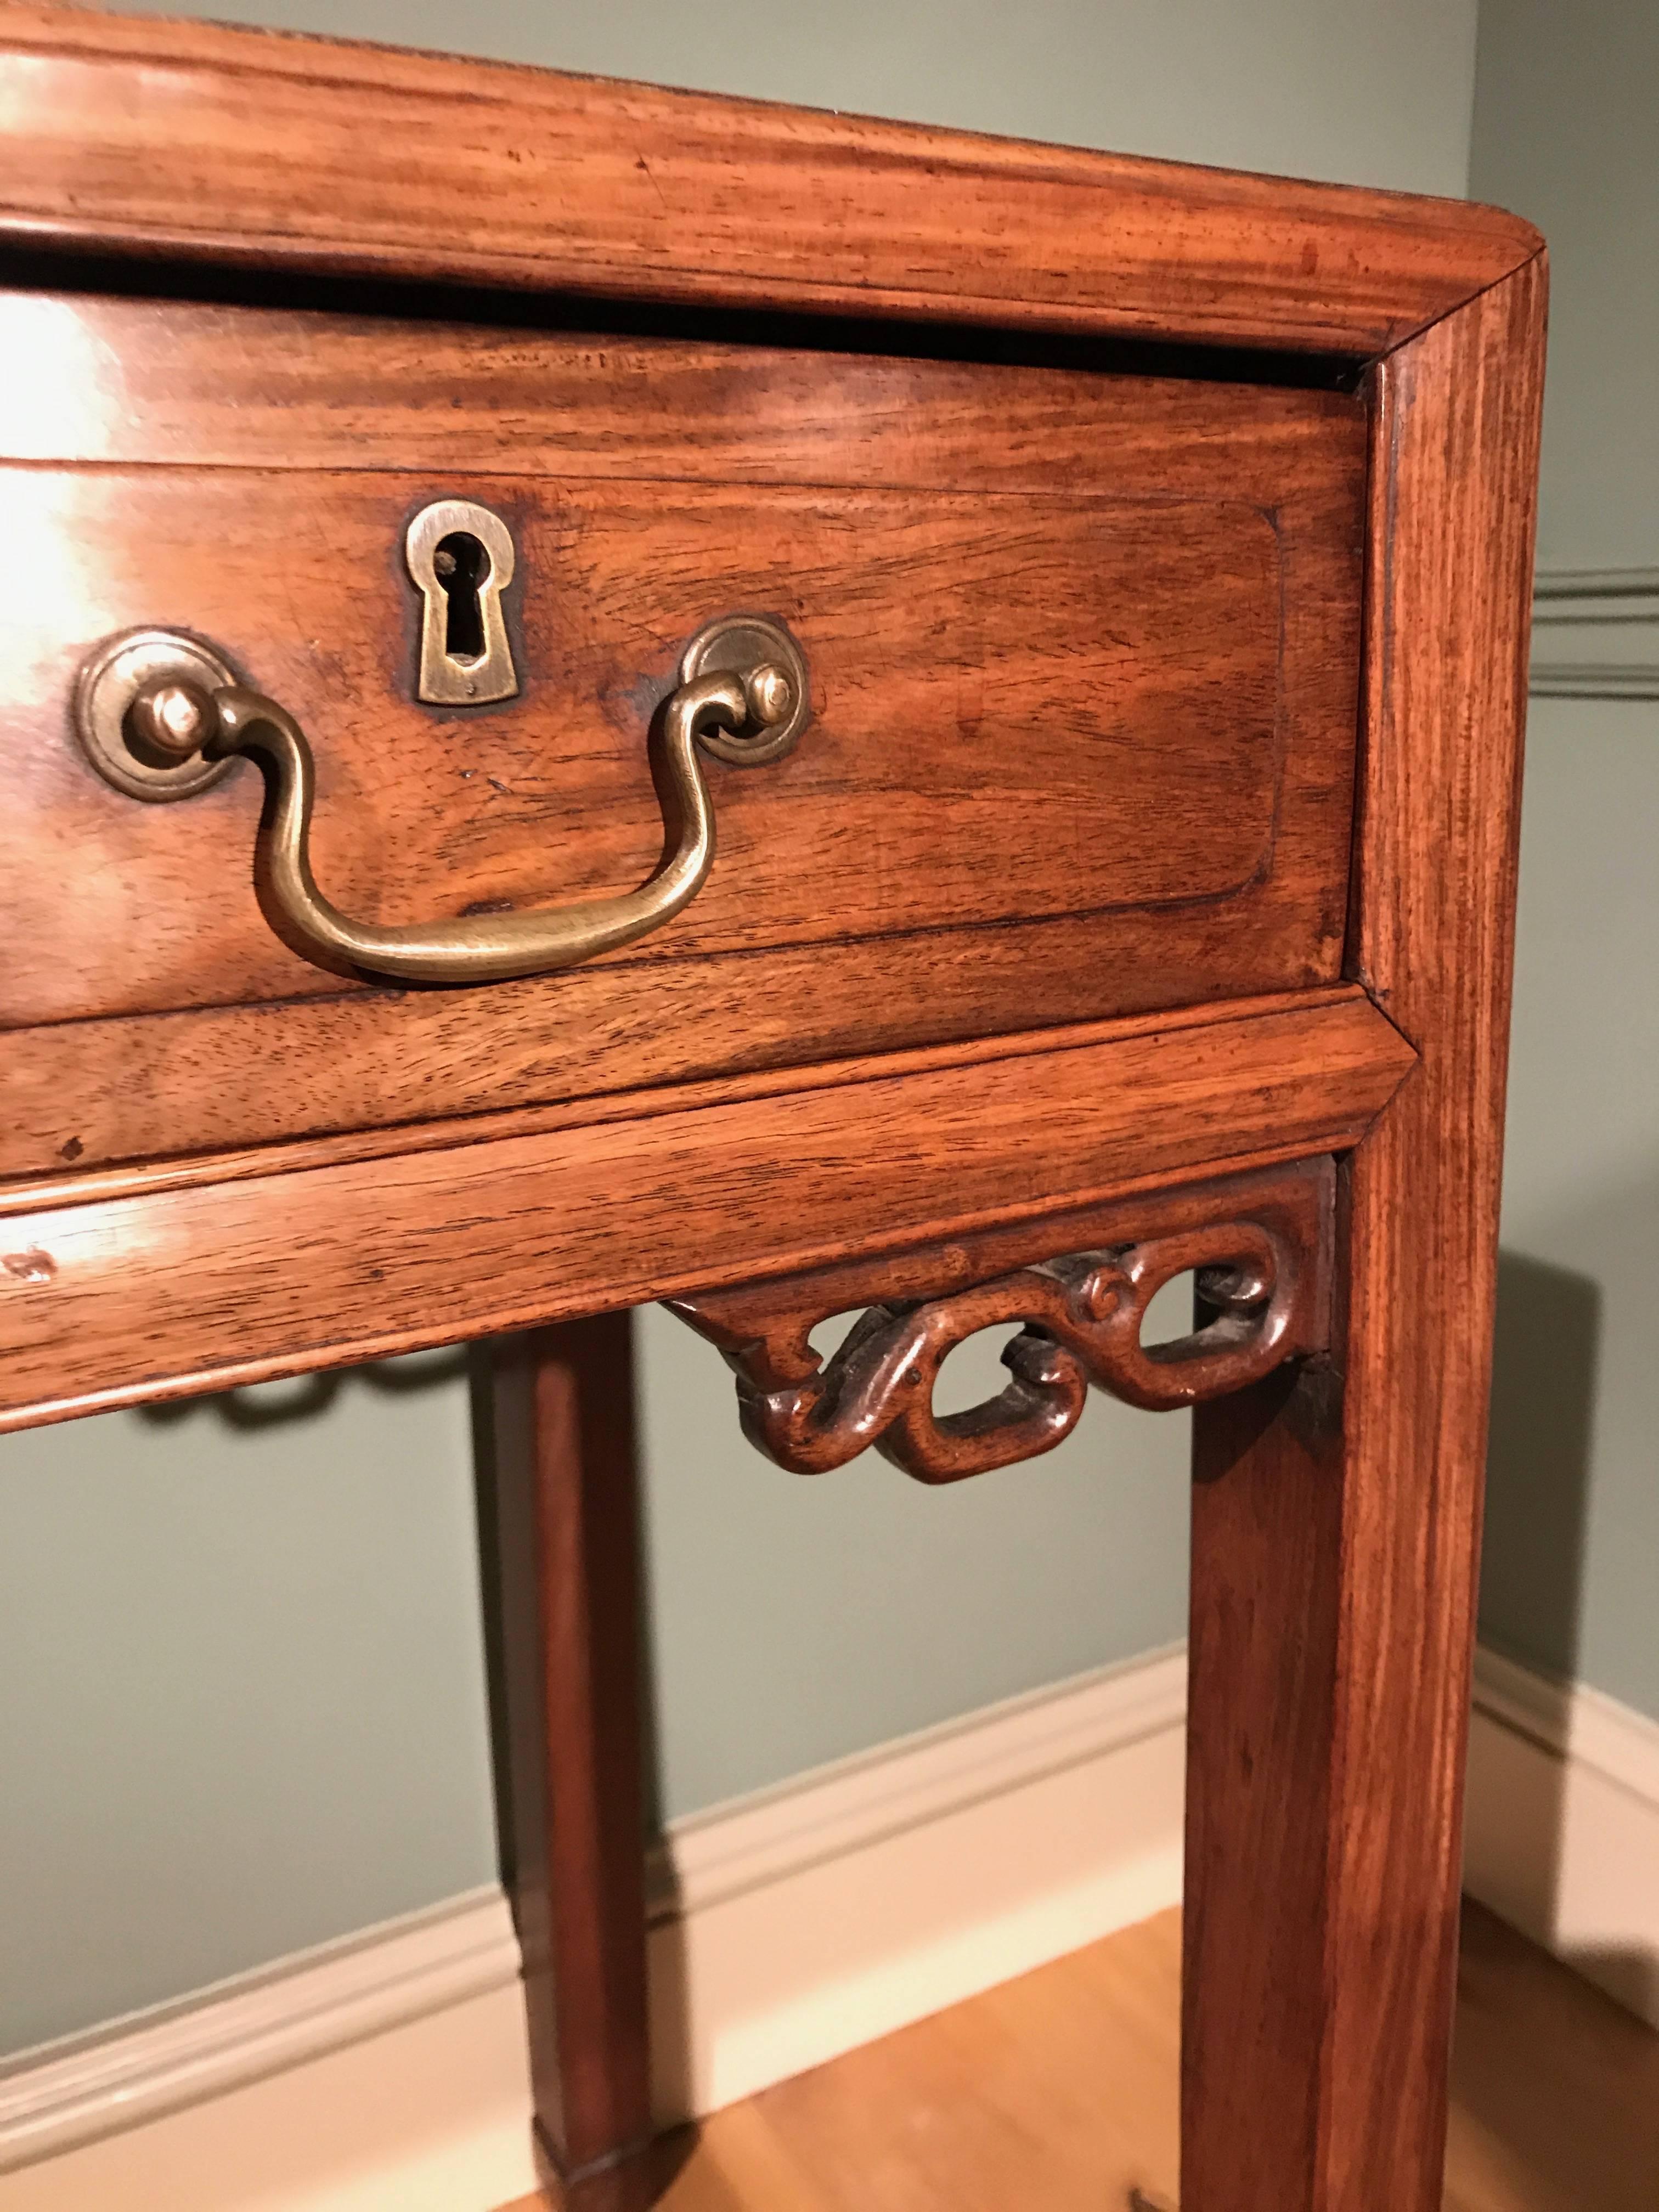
156	724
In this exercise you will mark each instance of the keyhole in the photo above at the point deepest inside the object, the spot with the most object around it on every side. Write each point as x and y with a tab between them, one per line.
462	567
460	559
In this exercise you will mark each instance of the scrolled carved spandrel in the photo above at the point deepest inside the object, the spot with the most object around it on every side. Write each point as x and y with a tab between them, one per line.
1079	1283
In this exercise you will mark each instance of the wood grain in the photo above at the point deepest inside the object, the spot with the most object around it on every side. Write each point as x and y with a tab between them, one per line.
128	135
464	387
1554	2088
1336	1513
1023	706
1458	418
1336	1526
561	1470
1071	702
178	1289
82	1094
76	1186
1079	1282
1056	2092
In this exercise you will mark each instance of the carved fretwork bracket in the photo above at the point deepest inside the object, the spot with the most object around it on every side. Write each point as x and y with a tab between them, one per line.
1080	1281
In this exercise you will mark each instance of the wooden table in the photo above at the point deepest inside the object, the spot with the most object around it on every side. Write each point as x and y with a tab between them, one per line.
1114	774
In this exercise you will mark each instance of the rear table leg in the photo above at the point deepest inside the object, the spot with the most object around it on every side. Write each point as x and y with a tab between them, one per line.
569	1676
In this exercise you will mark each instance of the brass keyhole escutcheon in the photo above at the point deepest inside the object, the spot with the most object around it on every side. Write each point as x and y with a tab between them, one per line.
460	556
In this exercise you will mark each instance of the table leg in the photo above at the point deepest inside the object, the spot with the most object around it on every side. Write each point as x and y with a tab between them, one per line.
567	1664
1336	1521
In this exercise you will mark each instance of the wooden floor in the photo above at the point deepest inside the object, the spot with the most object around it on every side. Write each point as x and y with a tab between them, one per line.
1056	2092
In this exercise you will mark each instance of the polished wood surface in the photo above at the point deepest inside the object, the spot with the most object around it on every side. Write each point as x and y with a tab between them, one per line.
1336	1519
1456	455
476	382
1084	739
87	1093
181	1286
1079	1283
559	1455
1056	2092
74	1185
913	363
1554	2088
1090	726
240	146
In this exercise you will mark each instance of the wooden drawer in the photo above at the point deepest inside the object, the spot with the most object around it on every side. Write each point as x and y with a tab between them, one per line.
1015	984
1083	646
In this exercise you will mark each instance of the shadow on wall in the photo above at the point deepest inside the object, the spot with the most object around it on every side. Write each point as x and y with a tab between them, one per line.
1546	1356
284	1405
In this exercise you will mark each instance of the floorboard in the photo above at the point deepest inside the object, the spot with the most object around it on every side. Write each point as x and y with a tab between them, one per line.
1056	2092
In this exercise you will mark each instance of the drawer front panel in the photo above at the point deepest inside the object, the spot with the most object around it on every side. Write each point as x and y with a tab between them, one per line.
1022	706
1083	652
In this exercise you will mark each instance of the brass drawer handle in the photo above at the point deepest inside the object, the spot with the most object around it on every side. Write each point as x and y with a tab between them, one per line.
156	724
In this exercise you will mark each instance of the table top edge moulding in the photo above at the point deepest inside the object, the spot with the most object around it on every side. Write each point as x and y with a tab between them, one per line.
1318	1143
133	136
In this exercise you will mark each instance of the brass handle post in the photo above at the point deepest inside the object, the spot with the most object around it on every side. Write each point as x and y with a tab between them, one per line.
174	719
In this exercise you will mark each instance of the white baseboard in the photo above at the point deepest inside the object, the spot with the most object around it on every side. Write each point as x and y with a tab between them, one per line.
1562	1835
429	2115
839	1907
259	2024
388	2072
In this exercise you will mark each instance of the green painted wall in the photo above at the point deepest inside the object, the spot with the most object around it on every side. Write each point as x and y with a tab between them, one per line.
1566	131
241	1684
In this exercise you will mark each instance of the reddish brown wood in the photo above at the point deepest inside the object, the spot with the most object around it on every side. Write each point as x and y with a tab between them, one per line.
1080	1283
86	1093
234	146
1064	586
1336	1524
635	1137
563	1482
77	1186
334	387
998	733
180	1288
